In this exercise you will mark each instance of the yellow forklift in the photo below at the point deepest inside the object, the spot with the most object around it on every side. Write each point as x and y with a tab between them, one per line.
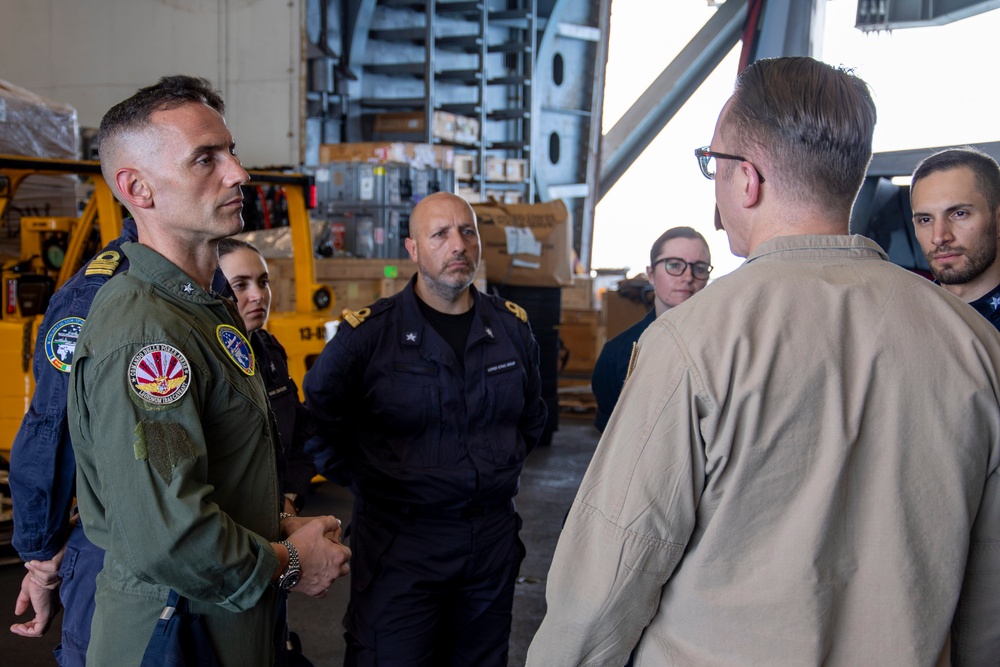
53	248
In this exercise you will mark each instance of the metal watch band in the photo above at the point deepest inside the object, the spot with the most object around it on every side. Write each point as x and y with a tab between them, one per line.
293	555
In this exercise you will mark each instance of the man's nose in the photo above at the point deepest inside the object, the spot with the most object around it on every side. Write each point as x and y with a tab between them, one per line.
236	174
942	232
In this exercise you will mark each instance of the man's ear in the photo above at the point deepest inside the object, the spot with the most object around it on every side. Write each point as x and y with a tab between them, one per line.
411	247
134	188
751	184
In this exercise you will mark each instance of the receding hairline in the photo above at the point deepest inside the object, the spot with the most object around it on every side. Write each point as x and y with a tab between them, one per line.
422	212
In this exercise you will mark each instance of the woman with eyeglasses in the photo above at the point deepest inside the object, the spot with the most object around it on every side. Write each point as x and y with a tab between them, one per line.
679	266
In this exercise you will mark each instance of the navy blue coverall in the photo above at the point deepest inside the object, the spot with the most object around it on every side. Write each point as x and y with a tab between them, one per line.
295	424
612	367
988	306
434	452
42	465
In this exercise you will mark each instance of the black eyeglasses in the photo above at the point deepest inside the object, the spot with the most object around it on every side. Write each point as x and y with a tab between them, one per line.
676	266
707	157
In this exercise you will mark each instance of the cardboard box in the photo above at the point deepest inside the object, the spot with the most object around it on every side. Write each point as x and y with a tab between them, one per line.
466	166
496	168
470	195
527	244
414	154
512	197
620	313
516	170
580	295
466	130
581	335
395	123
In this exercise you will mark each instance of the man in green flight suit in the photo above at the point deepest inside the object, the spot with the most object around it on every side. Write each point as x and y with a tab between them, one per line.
168	415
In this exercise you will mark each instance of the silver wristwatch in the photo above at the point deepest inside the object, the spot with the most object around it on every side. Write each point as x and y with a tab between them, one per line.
291	576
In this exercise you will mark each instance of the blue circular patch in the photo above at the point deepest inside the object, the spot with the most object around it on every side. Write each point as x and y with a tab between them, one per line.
60	342
236	346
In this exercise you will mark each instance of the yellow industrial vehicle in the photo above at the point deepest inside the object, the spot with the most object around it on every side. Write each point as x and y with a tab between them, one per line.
52	249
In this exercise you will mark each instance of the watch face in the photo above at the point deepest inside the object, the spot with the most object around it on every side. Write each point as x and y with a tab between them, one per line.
289	580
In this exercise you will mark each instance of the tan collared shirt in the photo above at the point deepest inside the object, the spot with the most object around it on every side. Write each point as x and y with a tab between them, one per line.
794	475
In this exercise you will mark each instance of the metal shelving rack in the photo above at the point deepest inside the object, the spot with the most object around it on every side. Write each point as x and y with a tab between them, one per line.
473	58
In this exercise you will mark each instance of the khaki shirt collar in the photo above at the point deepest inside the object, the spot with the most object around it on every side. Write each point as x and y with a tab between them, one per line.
818	246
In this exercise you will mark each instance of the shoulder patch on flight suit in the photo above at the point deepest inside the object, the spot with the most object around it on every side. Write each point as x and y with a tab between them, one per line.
236	347
60	342
517	311
104	264
164	445
159	374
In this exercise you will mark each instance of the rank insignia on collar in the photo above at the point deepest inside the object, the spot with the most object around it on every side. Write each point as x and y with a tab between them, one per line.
104	264
489	332
159	374
411	337
60	342
237	347
188	288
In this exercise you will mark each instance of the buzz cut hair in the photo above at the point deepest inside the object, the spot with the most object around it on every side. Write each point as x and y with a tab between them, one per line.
984	168
136	112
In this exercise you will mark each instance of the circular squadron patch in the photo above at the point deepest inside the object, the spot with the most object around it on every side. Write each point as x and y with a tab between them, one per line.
60	342
236	346
159	374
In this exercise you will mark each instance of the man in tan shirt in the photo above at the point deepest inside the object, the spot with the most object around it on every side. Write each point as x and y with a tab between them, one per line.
802	469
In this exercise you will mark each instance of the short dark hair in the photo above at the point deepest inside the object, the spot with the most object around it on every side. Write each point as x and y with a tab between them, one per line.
134	113
984	167
811	122
231	244
676	233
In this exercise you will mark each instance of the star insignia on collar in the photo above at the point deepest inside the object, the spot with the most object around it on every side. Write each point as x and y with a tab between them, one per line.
489	332
995	302
188	289
411	337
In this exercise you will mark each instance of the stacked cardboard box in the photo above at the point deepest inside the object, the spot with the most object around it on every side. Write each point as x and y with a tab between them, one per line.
582	338
410	125
414	154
